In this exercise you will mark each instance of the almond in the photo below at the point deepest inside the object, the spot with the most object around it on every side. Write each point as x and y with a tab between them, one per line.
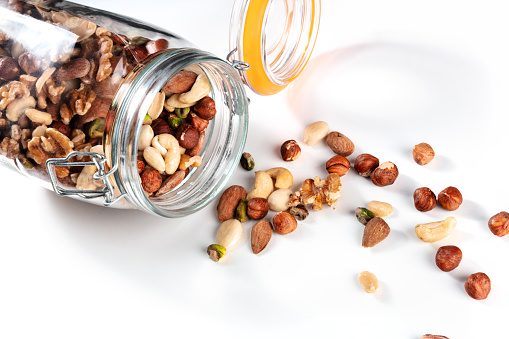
181	82
229	201
375	231
260	235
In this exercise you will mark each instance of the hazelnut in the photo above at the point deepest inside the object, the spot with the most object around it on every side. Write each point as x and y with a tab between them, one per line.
198	123
206	108
478	286
140	164
338	164
423	153
499	224
424	199
257	208
8	68
154	46
187	136
151	180
448	258
385	174
365	164
340	144
290	150
62	128
284	223
159	126
29	62
450	198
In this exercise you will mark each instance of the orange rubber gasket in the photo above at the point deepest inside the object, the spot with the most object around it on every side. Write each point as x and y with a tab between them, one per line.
252	49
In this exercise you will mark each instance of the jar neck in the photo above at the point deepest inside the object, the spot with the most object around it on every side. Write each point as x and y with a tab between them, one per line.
224	139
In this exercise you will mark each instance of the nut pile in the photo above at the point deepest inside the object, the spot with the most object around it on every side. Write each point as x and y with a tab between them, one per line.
53	104
173	131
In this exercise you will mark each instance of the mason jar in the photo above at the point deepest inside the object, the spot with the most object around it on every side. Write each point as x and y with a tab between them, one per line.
79	86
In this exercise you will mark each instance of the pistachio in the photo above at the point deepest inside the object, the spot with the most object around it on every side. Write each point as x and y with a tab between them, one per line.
147	120
247	162
174	121
182	112
241	211
216	252
96	128
364	215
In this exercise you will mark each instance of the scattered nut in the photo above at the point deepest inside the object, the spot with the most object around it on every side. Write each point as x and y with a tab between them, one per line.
448	258
368	281
435	231
284	223
260	235
257	208
151	180
380	209
283	177
375	231
365	164
385	174
499	224
338	164
424	199
340	144
315	132
364	215
300	212
247	162
423	153
263	186
229	201
278	200
216	252
478	286
241	211
432	336
290	150
229	233
450	198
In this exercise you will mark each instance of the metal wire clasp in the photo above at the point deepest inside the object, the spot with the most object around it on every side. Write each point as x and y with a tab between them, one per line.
238	65
99	161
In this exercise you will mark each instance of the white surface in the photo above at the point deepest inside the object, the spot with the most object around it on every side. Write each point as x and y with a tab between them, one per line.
389	74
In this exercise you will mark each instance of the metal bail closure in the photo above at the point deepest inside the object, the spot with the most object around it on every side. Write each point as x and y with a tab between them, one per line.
99	161
241	66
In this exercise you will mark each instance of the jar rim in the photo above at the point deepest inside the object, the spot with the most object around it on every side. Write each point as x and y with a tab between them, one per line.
276	38
123	129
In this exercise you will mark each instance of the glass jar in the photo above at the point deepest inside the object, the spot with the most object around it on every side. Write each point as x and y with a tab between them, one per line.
78	85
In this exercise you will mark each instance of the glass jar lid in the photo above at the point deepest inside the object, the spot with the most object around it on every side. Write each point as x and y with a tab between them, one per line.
276	38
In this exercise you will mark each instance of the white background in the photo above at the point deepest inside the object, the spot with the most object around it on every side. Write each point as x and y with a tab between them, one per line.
389	74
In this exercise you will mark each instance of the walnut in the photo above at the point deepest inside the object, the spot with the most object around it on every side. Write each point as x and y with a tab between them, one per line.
26	135
15	132
53	91
65	114
82	28
100	32
11	91
9	148
28	80
105	48
56	145
81	99
3	123
78	137
317	192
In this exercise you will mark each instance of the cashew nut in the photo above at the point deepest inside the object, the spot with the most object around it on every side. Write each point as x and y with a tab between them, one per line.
18	106
174	102
199	90
283	177
154	158
158	146
39	116
278	200
157	105
172	157
435	231
146	136
263	186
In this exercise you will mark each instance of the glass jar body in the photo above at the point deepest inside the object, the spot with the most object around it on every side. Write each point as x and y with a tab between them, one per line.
83	80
